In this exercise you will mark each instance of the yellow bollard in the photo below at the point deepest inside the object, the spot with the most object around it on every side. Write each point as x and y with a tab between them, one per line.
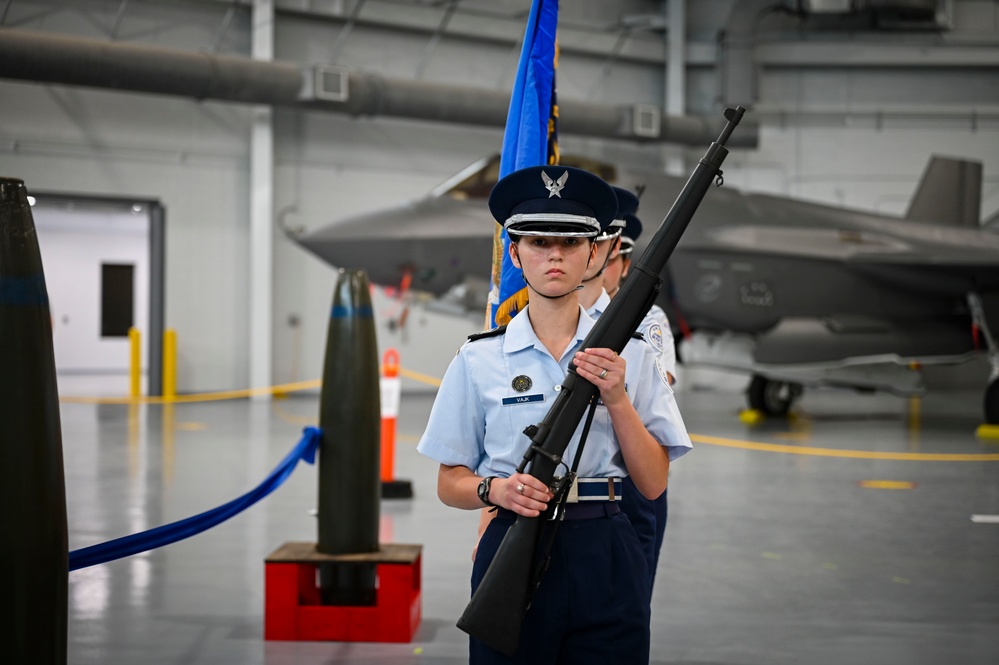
169	363
135	361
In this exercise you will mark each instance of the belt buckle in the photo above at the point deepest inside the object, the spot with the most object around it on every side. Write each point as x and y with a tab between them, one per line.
598	489
572	493
573	496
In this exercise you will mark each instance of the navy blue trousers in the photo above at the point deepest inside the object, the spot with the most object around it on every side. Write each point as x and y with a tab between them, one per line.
649	519
593	603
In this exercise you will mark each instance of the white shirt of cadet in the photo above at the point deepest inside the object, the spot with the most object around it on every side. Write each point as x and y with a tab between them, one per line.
497	386
655	329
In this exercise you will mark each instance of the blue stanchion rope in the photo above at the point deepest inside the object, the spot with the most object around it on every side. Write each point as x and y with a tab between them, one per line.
118	548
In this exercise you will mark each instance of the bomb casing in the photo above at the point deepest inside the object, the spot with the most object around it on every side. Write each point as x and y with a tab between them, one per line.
349	453
33	540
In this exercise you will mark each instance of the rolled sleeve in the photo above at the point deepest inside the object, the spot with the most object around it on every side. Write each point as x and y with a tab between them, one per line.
456	425
660	414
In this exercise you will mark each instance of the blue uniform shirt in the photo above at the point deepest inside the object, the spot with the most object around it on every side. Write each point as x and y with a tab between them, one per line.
478	418
654	327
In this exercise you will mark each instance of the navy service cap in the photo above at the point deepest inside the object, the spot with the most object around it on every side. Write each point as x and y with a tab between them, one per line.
632	229
627	206
627	203
553	201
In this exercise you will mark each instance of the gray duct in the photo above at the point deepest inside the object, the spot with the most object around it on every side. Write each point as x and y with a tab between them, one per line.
739	71
65	60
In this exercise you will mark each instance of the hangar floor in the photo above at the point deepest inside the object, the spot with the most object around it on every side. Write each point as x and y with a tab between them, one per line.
778	550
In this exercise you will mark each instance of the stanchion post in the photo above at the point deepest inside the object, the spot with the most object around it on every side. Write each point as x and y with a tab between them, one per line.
34	554
169	363
135	362
391	393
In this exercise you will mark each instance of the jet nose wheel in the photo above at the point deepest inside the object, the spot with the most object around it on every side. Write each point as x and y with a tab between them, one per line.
992	402
773	398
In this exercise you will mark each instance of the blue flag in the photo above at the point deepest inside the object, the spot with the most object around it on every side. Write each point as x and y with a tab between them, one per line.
530	139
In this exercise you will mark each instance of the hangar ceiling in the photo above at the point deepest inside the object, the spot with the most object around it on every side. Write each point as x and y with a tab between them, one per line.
748	35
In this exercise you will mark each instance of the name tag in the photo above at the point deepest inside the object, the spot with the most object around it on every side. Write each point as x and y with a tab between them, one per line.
523	399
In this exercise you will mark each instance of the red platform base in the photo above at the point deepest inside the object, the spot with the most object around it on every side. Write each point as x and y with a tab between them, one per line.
293	610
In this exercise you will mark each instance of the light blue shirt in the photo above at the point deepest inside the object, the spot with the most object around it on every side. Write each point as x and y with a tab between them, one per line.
654	327
478	418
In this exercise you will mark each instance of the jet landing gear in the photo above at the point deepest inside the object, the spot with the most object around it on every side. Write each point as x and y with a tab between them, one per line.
982	326
992	402
773	398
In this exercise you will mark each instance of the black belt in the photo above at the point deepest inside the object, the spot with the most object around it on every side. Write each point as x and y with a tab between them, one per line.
577	511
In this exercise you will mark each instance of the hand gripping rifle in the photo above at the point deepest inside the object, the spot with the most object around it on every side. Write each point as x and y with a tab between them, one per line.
497	608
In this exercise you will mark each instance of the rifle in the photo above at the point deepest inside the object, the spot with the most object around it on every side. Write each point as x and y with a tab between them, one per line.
496	611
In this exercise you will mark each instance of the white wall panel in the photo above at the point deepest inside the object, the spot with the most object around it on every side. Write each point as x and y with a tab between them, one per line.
976	16
864	167
889	88
188	155
330	168
74	244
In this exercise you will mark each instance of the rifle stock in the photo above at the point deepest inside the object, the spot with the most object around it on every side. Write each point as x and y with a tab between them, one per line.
496	610
514	561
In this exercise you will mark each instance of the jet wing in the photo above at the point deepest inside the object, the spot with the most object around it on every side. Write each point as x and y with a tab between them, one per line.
437	242
892	243
839	337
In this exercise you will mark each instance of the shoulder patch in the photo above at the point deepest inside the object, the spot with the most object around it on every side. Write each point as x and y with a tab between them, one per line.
498	330
655	335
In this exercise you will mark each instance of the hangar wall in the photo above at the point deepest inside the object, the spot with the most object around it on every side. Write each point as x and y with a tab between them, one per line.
848	117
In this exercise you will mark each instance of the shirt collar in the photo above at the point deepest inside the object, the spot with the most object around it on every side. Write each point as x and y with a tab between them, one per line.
600	306
520	335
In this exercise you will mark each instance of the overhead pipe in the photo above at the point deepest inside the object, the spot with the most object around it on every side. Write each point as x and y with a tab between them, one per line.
45	58
739	71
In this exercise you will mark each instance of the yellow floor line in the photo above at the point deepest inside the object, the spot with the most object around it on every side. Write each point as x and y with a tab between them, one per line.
232	394
200	397
422	378
833	452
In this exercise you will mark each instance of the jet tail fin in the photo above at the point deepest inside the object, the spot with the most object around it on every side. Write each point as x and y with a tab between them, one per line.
949	193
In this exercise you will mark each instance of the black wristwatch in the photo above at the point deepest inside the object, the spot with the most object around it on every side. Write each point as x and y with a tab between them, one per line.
484	490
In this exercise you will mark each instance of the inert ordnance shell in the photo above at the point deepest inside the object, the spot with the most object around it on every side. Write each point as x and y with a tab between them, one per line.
350	419
33	538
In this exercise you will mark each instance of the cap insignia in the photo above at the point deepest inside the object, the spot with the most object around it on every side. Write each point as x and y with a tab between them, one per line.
554	187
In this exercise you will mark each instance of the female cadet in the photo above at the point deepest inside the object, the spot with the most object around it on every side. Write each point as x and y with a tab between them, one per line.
593	604
594	300
648	517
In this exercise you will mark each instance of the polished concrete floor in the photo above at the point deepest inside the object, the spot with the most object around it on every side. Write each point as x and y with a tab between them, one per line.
781	547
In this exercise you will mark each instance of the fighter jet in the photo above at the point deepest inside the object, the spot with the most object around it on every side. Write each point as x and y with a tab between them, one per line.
793	293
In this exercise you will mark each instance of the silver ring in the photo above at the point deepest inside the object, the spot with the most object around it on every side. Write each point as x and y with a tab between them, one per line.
603	374
520	488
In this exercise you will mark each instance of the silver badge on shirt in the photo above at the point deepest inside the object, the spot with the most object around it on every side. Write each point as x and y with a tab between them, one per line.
522	383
